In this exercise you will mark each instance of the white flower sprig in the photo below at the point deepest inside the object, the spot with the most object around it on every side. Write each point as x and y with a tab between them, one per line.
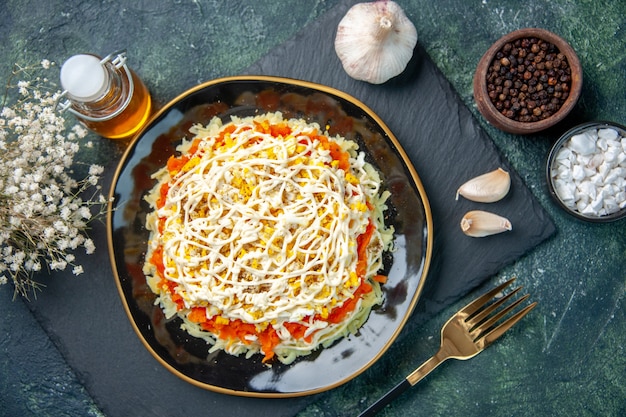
44	211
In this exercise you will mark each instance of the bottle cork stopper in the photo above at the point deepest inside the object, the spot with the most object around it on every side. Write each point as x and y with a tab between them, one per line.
84	77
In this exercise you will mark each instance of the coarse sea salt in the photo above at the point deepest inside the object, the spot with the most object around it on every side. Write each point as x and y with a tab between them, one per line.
589	172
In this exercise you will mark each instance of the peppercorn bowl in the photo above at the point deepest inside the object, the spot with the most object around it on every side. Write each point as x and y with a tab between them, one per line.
586	171
527	81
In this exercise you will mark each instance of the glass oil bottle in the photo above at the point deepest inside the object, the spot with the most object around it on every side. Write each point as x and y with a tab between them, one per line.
105	95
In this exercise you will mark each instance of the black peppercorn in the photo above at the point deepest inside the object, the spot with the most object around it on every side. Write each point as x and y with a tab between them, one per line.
528	80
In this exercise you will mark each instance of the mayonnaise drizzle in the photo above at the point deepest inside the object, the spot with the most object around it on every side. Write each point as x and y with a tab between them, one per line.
263	228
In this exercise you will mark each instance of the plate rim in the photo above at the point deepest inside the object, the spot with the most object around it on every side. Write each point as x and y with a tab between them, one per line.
429	241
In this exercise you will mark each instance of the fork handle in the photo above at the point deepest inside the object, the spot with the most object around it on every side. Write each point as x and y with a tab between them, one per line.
386	399
405	384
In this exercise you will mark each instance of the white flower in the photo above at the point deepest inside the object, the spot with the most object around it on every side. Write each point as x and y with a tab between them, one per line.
12	189
23	87
42	210
58	265
7	112
60	227
96	169
89	246
65	214
81	132
62	244
77	241
84	212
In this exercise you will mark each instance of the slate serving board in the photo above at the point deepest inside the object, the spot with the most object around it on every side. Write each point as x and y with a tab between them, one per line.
85	317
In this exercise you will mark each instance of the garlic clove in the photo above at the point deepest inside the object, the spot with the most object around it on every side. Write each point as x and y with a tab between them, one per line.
375	41
486	188
480	223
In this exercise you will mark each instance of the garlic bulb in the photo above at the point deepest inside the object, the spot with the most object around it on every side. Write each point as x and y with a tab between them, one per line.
486	188
375	41
480	223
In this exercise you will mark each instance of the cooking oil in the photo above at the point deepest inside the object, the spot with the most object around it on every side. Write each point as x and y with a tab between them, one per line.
105	95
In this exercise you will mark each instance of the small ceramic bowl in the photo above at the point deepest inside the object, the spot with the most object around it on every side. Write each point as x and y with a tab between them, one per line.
512	124
586	171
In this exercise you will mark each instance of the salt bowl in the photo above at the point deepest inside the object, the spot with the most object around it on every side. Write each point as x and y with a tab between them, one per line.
586	171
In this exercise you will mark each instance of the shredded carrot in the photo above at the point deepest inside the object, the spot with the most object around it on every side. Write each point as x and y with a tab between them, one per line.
157	260
228	130
235	330
297	330
280	130
197	315
165	188
338	314
174	295
161	224
175	164
381	279
262	127
230	331
339	155
363	241
342	157
269	340
194	146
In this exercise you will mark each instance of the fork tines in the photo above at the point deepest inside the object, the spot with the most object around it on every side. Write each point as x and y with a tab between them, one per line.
486	322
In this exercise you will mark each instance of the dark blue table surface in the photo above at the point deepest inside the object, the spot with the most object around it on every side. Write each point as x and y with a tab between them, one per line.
566	359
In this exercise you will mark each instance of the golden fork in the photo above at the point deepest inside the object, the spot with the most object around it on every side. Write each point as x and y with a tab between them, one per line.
465	335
